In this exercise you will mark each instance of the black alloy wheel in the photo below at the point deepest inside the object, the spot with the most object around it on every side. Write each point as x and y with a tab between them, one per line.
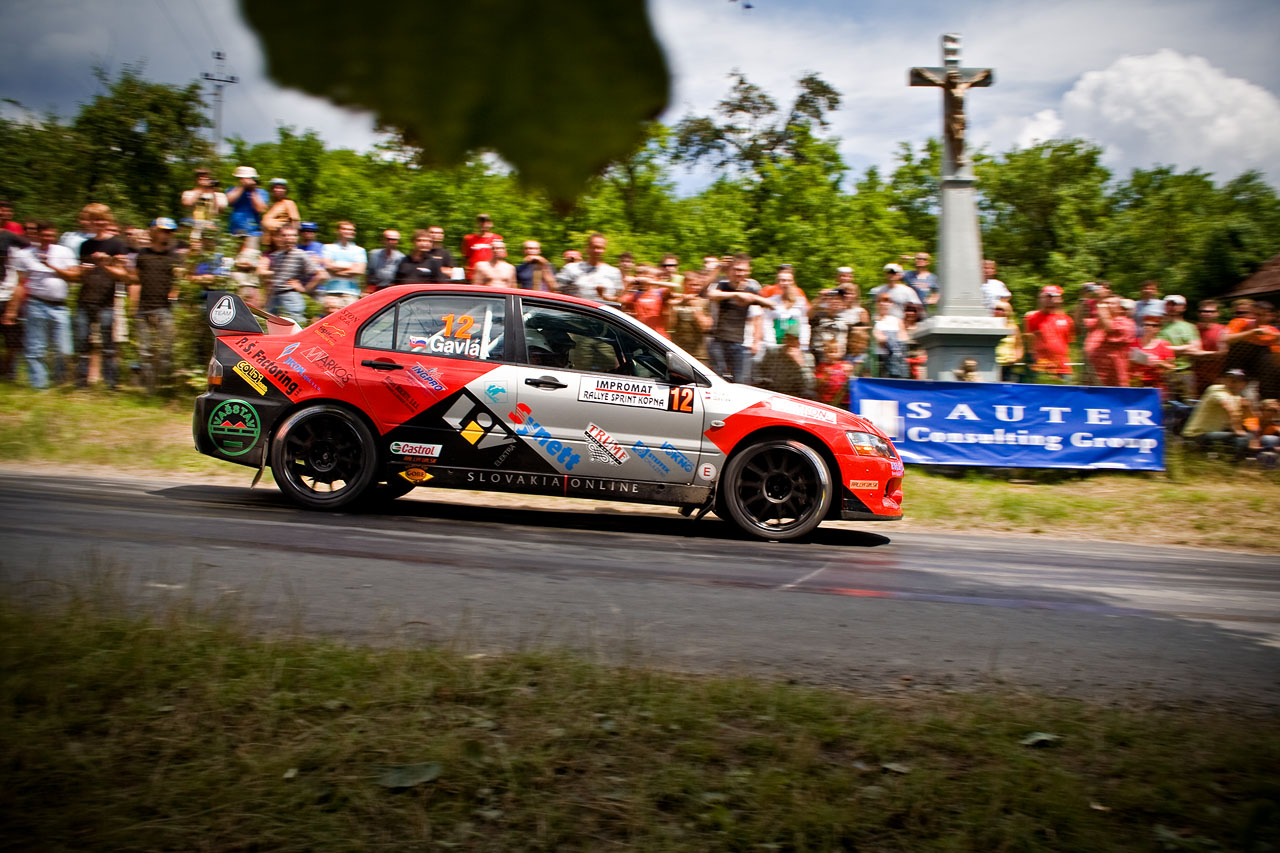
777	489
324	457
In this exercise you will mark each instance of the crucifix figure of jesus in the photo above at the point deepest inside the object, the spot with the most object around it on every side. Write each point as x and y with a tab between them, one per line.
954	82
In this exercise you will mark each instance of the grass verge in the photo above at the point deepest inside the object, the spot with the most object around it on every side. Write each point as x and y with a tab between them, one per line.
181	729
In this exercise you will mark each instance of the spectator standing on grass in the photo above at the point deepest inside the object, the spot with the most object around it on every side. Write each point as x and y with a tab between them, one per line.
7	222
448	269
73	239
1218	419
152	291
1184	340
44	271
291	274
891	342
419	267
497	271
1207	363
790	309
923	282
205	201
732	298
244	273
1111	334
1009	351
246	202
479	246
1148	302
103	262
308	243
345	262
690	321
650	300
1152	357
1051	331
535	272
384	261
10	245
592	278
283	210
993	289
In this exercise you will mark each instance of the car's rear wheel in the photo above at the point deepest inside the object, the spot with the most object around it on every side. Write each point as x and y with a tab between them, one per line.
777	489
324	457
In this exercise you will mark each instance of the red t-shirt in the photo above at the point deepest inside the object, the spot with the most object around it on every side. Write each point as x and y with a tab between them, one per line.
476	248
1052	332
833	382
650	309
15	227
1151	375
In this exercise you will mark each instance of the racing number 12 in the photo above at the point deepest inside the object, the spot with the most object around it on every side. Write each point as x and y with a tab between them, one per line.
681	400
465	322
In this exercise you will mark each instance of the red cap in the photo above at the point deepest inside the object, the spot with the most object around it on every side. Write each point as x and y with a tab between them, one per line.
1051	290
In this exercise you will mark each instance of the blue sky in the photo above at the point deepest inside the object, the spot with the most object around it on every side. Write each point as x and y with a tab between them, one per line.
1188	84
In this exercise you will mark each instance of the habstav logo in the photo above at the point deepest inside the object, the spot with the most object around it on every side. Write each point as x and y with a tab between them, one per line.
408	448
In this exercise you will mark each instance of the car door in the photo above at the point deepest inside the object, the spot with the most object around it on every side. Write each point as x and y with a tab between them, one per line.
594	396
415	358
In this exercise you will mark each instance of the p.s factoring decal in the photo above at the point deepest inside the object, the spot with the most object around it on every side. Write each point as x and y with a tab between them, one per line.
234	427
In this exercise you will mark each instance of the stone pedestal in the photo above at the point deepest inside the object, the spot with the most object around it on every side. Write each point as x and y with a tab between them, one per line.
949	340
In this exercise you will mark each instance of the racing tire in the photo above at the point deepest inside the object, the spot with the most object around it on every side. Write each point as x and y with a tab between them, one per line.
324	457
777	489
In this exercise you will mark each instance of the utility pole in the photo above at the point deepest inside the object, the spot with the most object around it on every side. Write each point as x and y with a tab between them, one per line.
219	80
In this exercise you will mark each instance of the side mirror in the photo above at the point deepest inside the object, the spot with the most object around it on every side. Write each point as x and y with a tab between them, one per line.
680	371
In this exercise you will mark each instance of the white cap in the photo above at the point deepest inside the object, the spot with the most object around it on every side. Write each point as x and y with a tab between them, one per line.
245	172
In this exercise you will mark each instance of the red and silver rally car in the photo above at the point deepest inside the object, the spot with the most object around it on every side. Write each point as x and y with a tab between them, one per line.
538	393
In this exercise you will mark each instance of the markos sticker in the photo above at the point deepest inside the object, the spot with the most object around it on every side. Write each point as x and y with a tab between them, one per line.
252	376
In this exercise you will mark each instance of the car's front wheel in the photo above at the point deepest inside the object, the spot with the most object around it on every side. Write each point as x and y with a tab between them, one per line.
324	457
777	489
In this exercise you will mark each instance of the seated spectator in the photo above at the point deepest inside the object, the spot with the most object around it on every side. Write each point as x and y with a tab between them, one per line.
535	272
1009	352
1111	334
419	267
787	368
650	300
1152	356
283	211
1218	419
832	375
497	271
345	262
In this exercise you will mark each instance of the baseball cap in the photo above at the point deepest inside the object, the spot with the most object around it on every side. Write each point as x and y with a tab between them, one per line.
164	223
245	172
1235	373
1051	290
281	181
892	268
307	226
1176	299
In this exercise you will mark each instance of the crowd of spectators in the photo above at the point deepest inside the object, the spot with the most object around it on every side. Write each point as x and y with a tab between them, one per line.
254	241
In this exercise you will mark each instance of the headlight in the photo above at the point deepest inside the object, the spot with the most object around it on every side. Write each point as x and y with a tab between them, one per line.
867	444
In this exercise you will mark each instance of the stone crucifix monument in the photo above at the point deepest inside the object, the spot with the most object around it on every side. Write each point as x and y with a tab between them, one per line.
960	328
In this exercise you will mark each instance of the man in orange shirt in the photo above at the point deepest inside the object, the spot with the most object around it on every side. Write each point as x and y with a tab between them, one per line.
1051	330
479	246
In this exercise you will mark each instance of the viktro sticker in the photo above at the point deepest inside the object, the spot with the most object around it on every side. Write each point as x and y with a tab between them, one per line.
234	427
604	447
409	448
251	375
623	392
223	312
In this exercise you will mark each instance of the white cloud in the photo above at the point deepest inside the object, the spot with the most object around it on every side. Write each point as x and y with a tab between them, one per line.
1178	110
1042	126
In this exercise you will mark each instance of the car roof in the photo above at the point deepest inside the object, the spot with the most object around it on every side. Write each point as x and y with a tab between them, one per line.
399	290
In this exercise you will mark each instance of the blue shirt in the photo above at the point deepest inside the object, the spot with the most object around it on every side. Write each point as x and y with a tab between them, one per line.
350	253
244	217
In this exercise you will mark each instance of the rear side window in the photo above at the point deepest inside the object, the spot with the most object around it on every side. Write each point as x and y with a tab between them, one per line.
445	326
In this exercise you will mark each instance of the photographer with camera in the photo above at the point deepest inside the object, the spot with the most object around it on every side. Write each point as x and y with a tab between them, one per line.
206	201
248	202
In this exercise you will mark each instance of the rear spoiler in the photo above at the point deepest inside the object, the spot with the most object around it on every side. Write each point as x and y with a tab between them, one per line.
228	314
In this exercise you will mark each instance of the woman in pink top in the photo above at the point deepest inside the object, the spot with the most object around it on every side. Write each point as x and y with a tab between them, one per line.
1152	356
649	301
1111	335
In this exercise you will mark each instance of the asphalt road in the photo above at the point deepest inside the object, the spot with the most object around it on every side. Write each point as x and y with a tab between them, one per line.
878	609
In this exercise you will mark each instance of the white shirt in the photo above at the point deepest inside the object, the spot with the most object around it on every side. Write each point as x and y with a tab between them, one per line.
581	279
42	281
993	291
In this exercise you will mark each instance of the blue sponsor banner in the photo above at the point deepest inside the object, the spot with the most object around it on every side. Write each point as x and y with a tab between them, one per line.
1015	426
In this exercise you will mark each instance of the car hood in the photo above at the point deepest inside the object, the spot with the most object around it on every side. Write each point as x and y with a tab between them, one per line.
728	398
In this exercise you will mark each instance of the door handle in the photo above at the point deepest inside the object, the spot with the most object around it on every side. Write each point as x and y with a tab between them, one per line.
382	365
545	382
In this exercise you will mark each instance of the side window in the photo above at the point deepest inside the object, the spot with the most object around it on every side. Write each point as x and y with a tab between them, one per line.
469	327
560	338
